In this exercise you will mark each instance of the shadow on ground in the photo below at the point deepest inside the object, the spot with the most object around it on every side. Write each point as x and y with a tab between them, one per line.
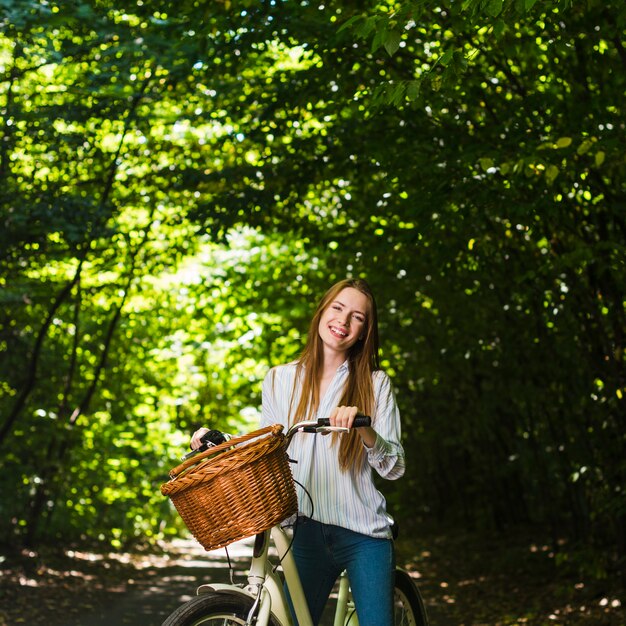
465	580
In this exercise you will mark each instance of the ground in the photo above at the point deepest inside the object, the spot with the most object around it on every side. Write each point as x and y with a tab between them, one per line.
466	580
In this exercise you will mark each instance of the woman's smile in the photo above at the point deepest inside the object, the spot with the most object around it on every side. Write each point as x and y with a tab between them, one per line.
338	331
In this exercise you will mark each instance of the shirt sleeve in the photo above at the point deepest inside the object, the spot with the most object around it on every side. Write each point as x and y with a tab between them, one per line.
270	399
386	456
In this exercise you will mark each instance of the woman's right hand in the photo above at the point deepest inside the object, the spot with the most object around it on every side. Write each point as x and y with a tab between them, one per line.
195	438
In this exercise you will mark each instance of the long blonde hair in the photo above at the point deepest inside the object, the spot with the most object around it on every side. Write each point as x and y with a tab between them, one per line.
363	361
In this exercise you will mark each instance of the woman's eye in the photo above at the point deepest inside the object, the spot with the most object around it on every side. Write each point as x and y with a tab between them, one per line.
359	318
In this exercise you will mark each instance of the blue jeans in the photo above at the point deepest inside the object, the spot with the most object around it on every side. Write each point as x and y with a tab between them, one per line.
323	551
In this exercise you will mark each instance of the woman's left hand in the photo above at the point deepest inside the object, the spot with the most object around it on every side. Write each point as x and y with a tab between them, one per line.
344	416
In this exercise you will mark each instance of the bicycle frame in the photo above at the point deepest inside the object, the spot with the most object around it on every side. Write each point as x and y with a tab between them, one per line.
265	586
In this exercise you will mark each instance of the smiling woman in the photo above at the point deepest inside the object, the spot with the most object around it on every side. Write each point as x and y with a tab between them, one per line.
338	376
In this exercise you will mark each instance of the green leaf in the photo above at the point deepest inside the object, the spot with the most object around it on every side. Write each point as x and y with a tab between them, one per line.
551	173
599	159
498	27
395	93
350	23
413	89
585	145
377	40
366	27
391	41
493	7
447	56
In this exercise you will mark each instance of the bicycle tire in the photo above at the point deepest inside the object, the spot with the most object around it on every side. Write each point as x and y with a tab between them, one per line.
213	609
409	609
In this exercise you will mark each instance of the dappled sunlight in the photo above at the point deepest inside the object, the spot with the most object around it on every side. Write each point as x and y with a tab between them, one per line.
185	553
179	180
473	580
84	583
465	580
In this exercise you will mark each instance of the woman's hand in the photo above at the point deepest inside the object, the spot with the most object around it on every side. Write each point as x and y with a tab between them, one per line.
195	438
343	416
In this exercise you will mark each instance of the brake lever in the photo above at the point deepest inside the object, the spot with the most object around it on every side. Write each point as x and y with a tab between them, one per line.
332	429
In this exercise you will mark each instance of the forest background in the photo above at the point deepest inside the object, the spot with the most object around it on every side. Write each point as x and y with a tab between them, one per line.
178	186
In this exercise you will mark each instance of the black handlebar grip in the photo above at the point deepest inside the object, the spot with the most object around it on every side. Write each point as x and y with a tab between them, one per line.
359	421
213	437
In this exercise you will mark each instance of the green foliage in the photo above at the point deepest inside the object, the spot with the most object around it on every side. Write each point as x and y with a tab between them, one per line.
178	186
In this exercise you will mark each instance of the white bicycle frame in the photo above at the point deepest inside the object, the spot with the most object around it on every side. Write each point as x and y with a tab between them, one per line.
265	587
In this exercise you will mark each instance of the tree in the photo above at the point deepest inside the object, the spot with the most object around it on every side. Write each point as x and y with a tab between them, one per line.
467	158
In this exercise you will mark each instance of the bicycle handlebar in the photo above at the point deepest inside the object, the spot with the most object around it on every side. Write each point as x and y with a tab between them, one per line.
360	421
322	424
215	437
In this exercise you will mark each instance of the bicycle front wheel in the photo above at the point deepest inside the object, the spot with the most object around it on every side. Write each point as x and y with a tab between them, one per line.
213	609
409	609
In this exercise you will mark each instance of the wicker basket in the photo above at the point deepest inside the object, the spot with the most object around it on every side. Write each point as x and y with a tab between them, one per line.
236	489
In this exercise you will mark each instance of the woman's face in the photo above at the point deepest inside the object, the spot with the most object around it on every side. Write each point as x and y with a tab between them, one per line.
344	320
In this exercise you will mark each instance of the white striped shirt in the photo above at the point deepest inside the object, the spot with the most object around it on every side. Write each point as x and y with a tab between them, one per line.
344	498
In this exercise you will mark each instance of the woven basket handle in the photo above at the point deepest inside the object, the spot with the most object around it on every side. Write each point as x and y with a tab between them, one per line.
275	429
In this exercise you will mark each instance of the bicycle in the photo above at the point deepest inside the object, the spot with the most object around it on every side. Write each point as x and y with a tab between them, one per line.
261	601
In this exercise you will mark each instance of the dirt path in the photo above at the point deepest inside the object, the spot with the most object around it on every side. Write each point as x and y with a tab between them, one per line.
87	589
118	589
466	580
157	587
